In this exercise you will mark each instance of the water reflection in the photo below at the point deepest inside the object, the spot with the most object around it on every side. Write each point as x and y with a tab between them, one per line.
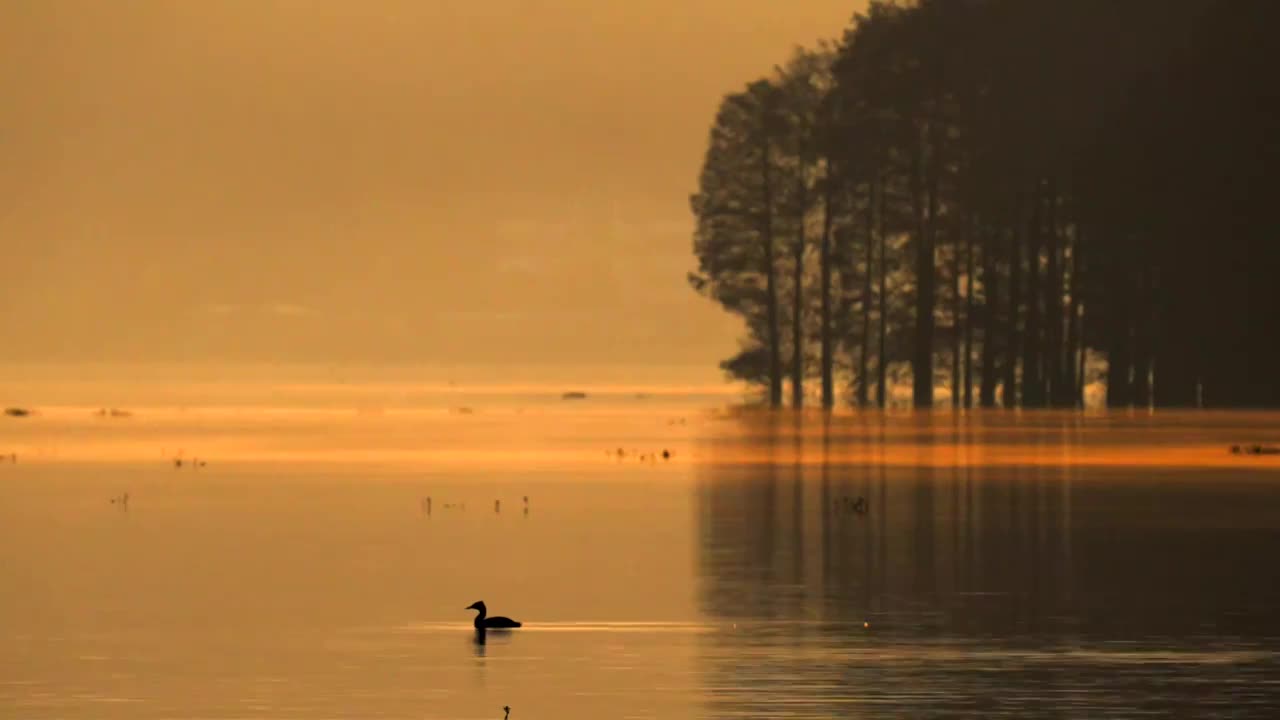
1012	591
482	636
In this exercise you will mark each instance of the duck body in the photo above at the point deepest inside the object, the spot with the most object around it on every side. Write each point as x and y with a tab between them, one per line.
484	622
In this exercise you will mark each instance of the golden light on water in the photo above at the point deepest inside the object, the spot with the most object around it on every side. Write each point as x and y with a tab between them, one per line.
620	428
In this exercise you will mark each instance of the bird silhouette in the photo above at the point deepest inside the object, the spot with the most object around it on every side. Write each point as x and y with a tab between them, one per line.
483	622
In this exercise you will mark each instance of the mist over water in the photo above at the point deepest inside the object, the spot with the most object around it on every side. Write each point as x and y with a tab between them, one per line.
1002	564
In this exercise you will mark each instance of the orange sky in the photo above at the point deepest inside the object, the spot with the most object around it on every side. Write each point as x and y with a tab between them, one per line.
394	181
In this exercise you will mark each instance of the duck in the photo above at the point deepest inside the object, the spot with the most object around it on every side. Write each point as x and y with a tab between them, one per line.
483	622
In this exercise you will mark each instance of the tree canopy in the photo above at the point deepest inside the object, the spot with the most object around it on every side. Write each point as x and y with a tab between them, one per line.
1017	197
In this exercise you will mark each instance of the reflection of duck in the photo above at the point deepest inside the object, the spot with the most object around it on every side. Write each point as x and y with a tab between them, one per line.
483	622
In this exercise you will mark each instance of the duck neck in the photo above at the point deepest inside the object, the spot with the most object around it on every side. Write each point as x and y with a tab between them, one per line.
480	616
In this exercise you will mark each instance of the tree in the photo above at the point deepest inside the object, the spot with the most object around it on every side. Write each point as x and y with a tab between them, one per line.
734	211
1083	167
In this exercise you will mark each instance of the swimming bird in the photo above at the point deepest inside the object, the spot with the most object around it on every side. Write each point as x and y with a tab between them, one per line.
483	622
506	712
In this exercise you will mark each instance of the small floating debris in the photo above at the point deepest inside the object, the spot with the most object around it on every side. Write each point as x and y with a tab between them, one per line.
1255	450
846	504
18	412
113	412
575	395
122	500
666	454
463	411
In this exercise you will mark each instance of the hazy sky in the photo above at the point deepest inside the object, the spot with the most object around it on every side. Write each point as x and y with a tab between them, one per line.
394	181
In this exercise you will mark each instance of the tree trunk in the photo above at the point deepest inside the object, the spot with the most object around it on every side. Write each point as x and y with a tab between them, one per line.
1179	330
1032	388
1070	393
968	315
1142	342
922	353
1013	340
828	387
1119	388
771	284
957	391
1119	338
797	306
1081	362
1053	381
864	350
990	293
882	363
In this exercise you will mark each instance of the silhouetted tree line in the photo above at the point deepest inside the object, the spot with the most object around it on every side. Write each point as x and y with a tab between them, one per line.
1007	198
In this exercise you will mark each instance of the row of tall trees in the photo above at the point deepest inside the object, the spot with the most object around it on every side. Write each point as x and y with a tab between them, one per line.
1006	199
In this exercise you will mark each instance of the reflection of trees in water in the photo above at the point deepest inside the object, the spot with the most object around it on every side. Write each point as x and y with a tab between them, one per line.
960	559
935	544
779	545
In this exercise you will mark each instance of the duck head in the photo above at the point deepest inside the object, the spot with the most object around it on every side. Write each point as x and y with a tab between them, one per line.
477	605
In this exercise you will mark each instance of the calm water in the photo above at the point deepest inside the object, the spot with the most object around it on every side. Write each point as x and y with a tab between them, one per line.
1031	565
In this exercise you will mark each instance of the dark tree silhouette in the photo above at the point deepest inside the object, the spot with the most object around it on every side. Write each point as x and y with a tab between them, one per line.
1067	191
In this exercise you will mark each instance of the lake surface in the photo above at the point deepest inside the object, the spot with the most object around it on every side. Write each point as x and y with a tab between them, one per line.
1004	565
